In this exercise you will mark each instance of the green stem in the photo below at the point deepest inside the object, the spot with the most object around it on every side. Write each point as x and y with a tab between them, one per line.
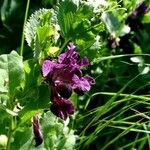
9	133
25	20
124	95
64	44
98	60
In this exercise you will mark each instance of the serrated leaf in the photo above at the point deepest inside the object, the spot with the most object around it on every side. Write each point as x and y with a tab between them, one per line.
32	24
85	38
66	16
43	33
84	12
12	73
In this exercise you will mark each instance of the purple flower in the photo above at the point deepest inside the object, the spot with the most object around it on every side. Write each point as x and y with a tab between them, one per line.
64	76
37	133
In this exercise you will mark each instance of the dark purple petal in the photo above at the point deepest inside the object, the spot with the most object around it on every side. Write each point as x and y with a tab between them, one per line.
80	85
62	108
78	72
69	107
58	112
84	62
63	89
37	133
47	67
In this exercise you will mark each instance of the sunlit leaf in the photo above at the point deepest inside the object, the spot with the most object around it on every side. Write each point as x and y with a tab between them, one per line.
12	73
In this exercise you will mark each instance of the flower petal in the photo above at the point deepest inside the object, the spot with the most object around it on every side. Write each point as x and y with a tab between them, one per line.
63	89
47	67
80	85
69	107
71	46
62	108
84	62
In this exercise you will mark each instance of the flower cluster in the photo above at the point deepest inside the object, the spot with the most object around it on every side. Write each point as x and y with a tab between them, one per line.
64	76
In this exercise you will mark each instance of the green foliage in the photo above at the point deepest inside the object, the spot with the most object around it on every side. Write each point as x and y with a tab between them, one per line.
9	9
115	113
53	131
74	16
41	31
66	14
12	74
56	131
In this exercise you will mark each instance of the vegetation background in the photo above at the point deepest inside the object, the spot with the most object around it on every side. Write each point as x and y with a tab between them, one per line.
115	36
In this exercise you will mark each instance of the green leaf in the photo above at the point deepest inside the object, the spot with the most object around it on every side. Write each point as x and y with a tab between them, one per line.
84	12
54	130
32	24
12	73
35	104
22	138
41	18
146	18
43	33
32	73
66	16
85	38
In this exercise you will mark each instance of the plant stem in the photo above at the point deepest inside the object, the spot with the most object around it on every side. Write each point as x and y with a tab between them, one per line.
25	19
9	133
64	44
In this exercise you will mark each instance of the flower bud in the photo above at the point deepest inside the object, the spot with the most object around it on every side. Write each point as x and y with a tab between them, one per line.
37	133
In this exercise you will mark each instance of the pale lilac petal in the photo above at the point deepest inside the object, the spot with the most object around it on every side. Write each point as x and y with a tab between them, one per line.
47	67
80	85
61	58
71	46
